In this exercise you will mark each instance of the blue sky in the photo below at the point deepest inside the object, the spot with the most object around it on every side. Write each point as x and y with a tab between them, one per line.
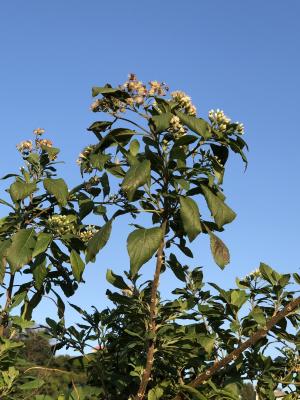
241	56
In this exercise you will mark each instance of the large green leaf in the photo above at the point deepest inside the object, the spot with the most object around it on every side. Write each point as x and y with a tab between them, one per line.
155	393
34	384
58	188
141	245
194	392
77	265
219	251
136	176
42	243
197	125
98	241
116	280
116	136
161	122
21	249
39	271
190	216
96	90
220	211
4	245
20	190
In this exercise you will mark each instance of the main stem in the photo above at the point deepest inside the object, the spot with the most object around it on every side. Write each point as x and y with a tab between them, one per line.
8	300
153	316
258	335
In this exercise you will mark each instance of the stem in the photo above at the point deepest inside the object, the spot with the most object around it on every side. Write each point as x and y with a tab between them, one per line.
8	300
259	334
153	315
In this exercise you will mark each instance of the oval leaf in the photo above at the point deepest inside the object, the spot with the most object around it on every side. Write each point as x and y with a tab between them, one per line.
141	246
190	216
77	265
20	190
98	241
58	188
220	211
219	251
21	249
136	176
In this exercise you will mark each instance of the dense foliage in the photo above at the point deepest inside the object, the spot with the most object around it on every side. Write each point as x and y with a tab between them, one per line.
159	164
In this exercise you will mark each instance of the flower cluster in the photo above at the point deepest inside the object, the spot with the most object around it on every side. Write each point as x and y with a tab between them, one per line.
221	122
62	224
184	102
39	131
25	147
44	142
138	90
176	127
108	104
88	233
83	159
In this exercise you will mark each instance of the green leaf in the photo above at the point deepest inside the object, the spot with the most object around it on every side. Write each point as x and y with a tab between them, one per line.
43	241
155	394
220	211
258	316
77	265
238	298
194	392
98	160
96	90
58	188
134	147
197	125
161	122
39	271
141	246
116	280
20	190
21	249
35	384
136	176
190	216
219	251
207	342
99	126
98	241
4	245
118	136
51	151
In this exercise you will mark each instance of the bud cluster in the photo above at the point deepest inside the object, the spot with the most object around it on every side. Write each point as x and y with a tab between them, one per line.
176	127
83	159
62	224
88	233
26	146
221	122
108	104
184	102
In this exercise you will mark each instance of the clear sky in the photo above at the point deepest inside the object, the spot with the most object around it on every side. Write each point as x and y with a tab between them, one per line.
241	56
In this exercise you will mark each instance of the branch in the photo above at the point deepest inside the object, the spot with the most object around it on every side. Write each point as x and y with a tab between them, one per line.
258	335
153	315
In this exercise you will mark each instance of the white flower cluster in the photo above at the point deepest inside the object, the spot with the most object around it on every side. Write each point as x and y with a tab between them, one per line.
88	233
254	274
25	146
176	127
223	123
184	102
83	158
61	224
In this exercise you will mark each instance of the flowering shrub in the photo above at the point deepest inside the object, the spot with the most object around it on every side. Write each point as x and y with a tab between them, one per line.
153	156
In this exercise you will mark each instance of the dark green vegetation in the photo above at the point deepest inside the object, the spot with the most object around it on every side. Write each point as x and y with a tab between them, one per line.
153	157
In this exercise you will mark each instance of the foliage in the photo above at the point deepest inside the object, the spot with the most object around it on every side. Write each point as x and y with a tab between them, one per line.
158	163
